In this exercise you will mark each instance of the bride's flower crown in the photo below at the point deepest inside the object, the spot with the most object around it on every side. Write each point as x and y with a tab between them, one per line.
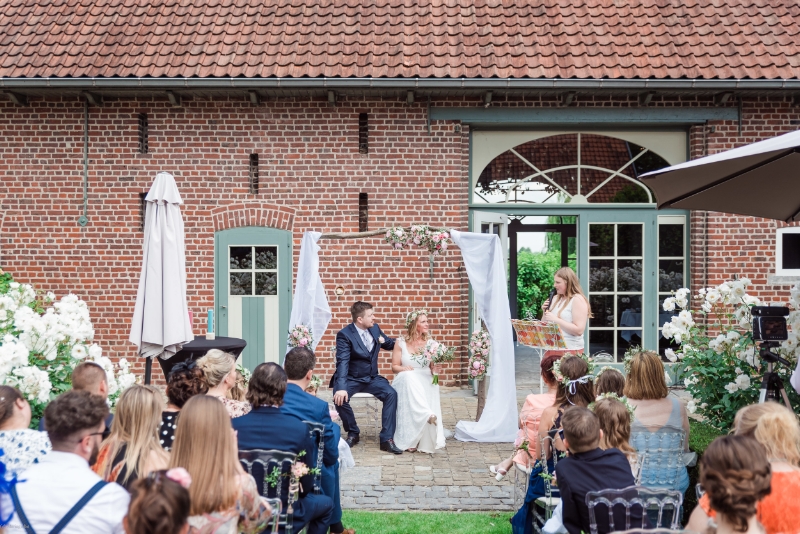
411	317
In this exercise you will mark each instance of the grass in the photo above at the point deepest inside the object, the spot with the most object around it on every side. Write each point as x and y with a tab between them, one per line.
427	522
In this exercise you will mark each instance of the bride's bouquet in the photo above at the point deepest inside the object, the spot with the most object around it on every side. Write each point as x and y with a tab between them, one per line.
433	353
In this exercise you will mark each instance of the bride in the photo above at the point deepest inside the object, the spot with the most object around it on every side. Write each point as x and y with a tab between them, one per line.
419	412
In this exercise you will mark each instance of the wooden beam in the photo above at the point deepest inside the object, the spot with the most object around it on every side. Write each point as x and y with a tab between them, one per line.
17	98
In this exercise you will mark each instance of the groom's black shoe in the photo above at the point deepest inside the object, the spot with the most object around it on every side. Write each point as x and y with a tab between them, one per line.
389	446
352	440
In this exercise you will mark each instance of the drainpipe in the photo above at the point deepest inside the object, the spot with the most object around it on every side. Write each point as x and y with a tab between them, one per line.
83	220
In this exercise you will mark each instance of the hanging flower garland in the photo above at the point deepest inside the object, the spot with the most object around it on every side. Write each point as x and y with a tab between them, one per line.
434	240
480	344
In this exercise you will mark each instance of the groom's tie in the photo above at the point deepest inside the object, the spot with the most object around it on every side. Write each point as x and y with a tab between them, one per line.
365	339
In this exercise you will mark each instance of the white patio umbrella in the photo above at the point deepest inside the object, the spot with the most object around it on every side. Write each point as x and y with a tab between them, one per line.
160	325
761	180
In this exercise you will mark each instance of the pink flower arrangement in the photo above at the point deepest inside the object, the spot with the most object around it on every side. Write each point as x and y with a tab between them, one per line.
434	241
300	336
480	344
397	238
299	469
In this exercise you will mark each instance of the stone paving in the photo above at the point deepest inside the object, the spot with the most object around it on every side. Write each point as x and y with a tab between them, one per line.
454	478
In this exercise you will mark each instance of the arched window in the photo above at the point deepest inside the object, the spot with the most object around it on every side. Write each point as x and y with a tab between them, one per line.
574	168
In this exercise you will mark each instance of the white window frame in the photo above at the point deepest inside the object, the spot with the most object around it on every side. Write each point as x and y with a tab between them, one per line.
779	270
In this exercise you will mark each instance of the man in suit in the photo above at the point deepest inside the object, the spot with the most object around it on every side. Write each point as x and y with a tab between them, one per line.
266	427
299	366
357	347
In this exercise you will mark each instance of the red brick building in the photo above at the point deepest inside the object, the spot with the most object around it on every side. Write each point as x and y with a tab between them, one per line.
380	114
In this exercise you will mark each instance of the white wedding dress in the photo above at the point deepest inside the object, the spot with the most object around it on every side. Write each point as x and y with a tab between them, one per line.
417	400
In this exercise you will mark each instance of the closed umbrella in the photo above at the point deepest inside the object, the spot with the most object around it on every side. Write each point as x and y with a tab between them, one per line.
761	180
160	325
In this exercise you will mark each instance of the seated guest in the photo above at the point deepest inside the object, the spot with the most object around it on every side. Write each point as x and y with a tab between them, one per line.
219	369
646	390
91	377
615	422
590	468
529	418
159	503
50	489
609	380
299	366
776	428
185	381
133	450
266	427
735	474
224	498
239	389
21	445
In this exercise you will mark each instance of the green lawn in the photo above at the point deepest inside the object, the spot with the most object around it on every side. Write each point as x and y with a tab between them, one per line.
427	522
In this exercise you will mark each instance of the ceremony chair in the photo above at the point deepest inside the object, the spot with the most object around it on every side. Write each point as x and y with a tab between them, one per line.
654	531
260	464
548	502
372	409
317	432
663	459
520	488
652	503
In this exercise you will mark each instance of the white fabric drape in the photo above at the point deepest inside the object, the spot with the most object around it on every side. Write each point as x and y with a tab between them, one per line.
310	306
483	258
160	325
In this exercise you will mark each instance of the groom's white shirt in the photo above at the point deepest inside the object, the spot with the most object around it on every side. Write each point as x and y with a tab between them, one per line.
366	337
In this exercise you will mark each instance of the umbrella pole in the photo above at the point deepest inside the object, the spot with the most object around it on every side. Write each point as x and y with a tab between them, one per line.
148	369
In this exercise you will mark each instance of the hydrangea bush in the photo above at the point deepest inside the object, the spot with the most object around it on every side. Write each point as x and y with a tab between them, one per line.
718	356
42	339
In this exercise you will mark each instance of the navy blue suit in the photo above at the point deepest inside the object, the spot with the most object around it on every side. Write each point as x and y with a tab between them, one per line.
594	470
307	407
265	427
357	371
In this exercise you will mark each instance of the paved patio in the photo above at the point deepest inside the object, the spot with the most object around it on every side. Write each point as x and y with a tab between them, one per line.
454	478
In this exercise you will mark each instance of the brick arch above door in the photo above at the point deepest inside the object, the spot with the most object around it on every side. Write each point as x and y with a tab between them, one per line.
252	214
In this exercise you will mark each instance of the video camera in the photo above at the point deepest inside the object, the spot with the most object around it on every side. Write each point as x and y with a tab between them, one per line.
769	323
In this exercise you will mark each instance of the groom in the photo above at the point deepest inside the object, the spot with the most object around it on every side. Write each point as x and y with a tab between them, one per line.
357	347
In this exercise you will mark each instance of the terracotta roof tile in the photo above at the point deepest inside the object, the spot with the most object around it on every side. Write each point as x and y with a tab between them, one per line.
401	38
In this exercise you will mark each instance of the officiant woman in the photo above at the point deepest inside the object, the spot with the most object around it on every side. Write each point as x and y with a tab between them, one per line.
569	309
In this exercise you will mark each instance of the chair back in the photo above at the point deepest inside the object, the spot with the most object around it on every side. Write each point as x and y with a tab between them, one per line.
317	432
654	531
603	357
272	471
663	460
548	449
633	507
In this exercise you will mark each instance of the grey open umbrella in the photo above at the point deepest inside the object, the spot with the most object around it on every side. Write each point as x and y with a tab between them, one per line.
160	325
761	180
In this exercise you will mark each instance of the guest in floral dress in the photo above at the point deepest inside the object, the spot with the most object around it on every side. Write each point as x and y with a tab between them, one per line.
21	445
185	381
224	499
219	369
133	449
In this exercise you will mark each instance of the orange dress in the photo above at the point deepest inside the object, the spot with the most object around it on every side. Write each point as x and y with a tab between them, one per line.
530	415
779	511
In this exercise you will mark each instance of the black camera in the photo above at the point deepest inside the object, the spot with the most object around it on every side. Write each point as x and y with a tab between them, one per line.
769	323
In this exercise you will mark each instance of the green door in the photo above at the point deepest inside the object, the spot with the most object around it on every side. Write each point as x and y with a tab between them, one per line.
253	269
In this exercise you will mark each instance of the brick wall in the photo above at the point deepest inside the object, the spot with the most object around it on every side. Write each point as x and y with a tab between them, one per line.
311	173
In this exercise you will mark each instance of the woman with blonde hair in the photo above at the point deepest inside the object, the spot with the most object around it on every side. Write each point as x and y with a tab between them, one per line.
570	308
776	428
223	497
133	449
419	410
219	369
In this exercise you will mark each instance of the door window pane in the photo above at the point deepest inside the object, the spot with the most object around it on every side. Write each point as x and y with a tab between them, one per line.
629	275
670	240
241	258
601	240
601	275
627	339
266	283
601	340
670	275
266	257
629	240
629	310
241	283
602	309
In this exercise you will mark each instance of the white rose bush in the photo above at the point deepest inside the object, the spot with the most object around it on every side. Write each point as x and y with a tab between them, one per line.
718	358
42	339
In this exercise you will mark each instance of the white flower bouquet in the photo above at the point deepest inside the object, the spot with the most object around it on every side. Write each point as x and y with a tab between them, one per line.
433	353
480	345
300	336
43	339
717	355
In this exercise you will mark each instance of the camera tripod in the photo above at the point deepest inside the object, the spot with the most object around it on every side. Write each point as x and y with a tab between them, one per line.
771	384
